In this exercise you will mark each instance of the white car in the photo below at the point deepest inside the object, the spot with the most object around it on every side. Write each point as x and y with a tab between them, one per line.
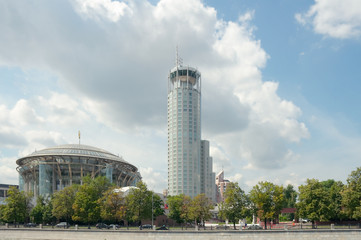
254	226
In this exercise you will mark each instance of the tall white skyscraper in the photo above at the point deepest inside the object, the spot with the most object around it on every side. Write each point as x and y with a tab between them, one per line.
186	163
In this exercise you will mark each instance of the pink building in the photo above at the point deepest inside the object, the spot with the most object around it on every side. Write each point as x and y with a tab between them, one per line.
221	184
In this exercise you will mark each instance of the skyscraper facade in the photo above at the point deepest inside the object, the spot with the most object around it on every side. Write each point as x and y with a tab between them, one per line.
186	162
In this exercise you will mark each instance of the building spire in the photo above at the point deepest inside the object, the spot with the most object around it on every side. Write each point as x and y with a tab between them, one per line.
178	60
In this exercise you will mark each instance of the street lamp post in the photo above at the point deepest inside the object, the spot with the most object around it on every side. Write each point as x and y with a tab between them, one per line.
152	209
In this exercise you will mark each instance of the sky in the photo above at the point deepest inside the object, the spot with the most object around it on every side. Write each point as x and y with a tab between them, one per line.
280	83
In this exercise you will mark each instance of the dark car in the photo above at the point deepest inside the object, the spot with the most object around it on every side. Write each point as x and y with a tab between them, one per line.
145	226
162	228
62	225
101	226
111	226
30	225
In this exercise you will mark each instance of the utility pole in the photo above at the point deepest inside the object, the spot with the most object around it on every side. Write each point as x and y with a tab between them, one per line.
152	210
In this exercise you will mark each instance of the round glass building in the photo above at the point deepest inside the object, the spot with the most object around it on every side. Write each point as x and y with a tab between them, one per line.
49	170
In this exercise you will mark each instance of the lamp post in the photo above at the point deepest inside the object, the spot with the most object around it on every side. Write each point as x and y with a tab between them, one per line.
152	209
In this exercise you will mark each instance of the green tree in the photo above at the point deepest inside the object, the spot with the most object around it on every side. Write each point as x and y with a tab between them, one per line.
186	213
268	200
175	205
235	205
2	213
38	211
141	202
62	203
17	206
290	196
85	206
334	189
320	201
47	212
200	208
351	196
112	205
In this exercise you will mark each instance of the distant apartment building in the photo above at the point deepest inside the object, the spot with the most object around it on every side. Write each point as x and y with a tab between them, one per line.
4	188
208	186
221	184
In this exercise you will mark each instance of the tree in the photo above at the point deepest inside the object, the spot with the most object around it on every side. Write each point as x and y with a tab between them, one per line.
268	200
235	205
17	207
112	205
175	204
86	207
62	203
38	210
186	213
200	208
2	207
180	208
47	212
351	195
141	202
290	196
320	201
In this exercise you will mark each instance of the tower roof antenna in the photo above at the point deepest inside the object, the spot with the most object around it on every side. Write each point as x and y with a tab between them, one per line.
178	60
79	136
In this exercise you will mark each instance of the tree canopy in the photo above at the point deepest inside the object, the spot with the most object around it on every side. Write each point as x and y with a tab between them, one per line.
62	203
320	201
200	208
268	200
112	205
141	202
85	206
17	207
351	196
235	205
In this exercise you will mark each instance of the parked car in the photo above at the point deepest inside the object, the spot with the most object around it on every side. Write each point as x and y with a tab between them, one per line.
162	228
111	226
304	220
222	227
30	225
101	226
62	225
145	226
254	226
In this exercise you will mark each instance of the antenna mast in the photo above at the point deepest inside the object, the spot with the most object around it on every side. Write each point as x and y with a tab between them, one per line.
79	136
178	60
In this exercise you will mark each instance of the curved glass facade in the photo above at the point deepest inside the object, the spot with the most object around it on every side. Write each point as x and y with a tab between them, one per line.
47	171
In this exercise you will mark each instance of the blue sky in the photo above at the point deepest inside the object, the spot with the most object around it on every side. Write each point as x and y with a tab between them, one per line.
280	82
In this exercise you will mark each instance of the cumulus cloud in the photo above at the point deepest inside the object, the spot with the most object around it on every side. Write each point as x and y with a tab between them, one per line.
153	179
112	59
99	9
63	109
334	18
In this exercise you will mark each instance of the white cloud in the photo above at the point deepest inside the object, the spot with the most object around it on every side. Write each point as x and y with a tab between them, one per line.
8	171
112	59
236	178
63	109
98	9
334	18
153	179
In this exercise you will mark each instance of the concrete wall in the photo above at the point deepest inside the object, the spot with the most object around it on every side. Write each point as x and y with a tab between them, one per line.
11	234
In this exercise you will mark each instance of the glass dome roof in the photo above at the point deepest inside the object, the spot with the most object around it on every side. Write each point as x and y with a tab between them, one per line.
76	150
